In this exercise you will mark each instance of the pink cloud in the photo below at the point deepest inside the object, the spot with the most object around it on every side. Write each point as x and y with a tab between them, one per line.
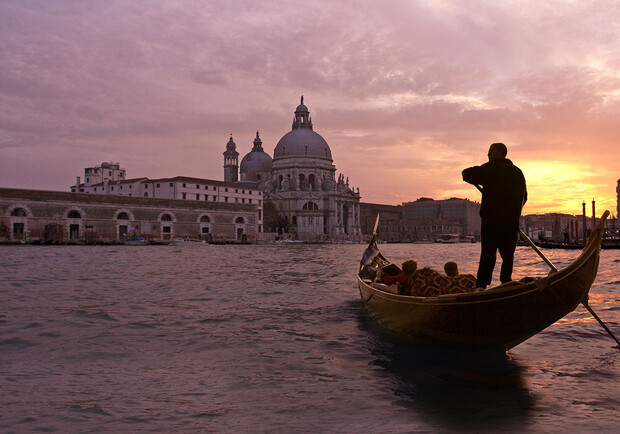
408	92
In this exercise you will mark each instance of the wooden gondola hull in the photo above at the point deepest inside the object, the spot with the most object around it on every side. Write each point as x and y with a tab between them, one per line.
497	319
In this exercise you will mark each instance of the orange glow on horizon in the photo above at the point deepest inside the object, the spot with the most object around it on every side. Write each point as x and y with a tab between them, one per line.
562	187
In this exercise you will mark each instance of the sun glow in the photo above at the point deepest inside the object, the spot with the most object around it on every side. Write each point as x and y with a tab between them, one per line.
559	186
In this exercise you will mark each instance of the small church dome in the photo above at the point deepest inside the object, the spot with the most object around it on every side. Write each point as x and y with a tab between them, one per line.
256	160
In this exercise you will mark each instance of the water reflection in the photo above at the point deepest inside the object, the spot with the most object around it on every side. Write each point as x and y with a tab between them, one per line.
460	390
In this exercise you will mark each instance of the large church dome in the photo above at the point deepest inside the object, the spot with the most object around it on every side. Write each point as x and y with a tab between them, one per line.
302	141
256	160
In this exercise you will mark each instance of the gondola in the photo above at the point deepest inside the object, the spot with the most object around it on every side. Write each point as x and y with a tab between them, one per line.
496	319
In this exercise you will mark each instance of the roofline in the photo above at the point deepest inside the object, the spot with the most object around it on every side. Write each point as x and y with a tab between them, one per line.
50	195
173	179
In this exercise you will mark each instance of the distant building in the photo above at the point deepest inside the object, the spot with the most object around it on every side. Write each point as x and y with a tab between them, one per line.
179	187
554	227
461	212
394	228
561	227
104	172
96	218
391	225
618	202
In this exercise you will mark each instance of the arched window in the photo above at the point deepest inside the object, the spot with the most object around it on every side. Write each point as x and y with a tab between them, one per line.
74	215
122	216
18	212
239	220
166	218
312	182
310	206
280	179
302	181
146	194
205	219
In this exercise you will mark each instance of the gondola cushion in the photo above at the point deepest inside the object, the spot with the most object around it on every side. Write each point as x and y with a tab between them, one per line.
427	282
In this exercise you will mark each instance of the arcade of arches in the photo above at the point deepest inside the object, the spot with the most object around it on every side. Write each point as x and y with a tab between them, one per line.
42	216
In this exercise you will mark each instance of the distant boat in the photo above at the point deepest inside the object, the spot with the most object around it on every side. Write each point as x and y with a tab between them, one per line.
186	241
287	241
611	243
498	318
607	243
136	241
449	238
556	245
423	242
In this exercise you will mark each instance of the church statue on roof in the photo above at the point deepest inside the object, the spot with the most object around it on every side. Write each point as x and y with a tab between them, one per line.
301	193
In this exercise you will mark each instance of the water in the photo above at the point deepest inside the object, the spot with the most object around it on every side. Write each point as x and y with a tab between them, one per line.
275	339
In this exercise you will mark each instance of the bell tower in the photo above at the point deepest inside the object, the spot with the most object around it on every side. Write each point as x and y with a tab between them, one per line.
231	162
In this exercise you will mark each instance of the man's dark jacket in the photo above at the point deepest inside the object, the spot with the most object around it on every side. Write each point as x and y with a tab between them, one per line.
503	191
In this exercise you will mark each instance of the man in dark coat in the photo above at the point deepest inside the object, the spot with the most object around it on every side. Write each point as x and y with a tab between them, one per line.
503	195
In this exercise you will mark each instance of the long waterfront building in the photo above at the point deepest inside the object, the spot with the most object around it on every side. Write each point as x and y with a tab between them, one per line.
80	217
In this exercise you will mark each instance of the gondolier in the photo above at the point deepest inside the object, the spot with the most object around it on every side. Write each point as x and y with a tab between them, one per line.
503	195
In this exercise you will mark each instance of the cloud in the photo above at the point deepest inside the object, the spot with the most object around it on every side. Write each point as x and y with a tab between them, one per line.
406	92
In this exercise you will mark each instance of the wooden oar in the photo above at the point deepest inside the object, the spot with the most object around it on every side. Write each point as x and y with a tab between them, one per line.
600	321
554	269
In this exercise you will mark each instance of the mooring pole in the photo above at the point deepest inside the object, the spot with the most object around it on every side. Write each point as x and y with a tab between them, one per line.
584	223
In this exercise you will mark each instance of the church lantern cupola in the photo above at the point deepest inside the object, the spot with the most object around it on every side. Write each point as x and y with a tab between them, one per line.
231	162
258	144
302	117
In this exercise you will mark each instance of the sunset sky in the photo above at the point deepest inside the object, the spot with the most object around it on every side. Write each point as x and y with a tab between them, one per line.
406	93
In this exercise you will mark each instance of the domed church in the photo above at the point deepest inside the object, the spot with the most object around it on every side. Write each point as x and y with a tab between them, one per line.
299	184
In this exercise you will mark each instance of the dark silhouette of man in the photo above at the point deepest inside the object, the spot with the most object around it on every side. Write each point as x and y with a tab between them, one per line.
503	195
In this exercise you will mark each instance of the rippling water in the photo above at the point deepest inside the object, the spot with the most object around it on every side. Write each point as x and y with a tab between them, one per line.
276	339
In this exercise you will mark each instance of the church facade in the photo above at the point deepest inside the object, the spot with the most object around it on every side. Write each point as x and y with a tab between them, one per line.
302	196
